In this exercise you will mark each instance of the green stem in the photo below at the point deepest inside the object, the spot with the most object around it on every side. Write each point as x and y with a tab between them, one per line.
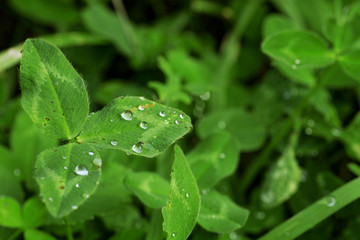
230	53
262	159
68	229
15	234
316	212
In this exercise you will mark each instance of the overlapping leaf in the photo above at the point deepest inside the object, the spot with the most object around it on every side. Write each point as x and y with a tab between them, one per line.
135	125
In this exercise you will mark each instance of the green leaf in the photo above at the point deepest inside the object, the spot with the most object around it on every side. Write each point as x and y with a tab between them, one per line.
26	143
53	93
282	180
34	213
275	23
218	213
149	187
10	213
53	12
351	138
350	64
171	91
107	24
31	234
244	126
214	158
67	176
316	212
110	195
135	125
298	49
182	210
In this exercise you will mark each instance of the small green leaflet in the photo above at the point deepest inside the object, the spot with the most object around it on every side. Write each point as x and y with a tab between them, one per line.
220	214
298	49
34	213
149	187
135	125
282	180
53	93
214	158
32	234
182	210
10	213
67	176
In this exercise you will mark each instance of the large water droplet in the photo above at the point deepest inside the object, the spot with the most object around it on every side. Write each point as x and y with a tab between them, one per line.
127	115
91	153
162	114
114	143
81	170
176	122
141	107
181	116
144	125
97	162
137	148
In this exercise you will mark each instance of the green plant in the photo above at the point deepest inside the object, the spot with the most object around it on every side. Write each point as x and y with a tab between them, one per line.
272	90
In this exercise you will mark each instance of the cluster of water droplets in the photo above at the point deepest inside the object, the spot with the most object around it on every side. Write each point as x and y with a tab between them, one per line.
297	62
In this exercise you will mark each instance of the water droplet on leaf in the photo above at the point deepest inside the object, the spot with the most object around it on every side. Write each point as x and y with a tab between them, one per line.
51	199
63	157
127	115
91	153
144	125
81	170
97	162
74	207
114	143
176	122
297	61
141	107
221	125
181	116
77	185
17	172
162	114
222	155
137	148
187	195
112	120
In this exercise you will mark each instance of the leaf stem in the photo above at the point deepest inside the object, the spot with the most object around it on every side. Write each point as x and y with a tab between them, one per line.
230	52
261	160
316	212
15	234
68	229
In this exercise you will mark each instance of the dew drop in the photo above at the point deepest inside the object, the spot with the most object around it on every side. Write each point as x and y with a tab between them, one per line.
86	195
294	67
221	125
232	235
97	162
213	216
127	115
63	157
137	148
181	116
81	170
308	131
17	172
144	125
222	155
77	185
187	195
260	215
173	234
91	153
91	114
141	107
114	143
176	122
330	201
162	114
51	199
311	123
112	120
74	207
65	168
297	61
335	132
268	196
142	98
